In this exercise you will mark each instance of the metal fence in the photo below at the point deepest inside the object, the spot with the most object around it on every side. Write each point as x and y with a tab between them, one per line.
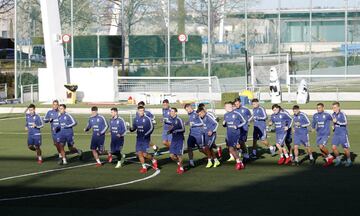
29	93
3	91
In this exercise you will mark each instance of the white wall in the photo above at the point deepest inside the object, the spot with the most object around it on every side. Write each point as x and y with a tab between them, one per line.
94	84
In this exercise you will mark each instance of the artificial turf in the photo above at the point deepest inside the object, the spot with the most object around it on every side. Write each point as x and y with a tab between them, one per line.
263	188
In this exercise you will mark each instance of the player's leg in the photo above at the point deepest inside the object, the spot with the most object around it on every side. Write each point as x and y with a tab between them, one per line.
231	143
288	141
191	142
212	146
280	142
336	153
142	161
71	146
296	154
348	157
151	158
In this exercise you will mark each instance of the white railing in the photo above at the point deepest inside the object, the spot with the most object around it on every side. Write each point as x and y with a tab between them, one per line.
3	90
29	93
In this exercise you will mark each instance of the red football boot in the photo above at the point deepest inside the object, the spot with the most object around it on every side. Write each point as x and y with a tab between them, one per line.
143	170
329	162
288	160
154	164
40	161
98	164
281	160
238	166
110	158
181	171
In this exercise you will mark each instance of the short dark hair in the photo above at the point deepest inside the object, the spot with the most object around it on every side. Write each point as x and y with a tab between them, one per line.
254	100
187	105
56	101
141	107
320	104
175	109
200	109
229	102
237	100
141	103
336	103
201	105
94	108
31	106
114	109
275	106
296	107
63	105
165	101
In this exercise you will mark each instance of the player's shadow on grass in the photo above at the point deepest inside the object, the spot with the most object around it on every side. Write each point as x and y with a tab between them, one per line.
306	191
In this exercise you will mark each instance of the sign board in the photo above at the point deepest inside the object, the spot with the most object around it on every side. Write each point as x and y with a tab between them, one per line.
66	38
182	38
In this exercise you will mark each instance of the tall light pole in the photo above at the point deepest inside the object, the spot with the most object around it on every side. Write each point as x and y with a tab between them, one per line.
167	24
122	39
72	31
15	52
209	45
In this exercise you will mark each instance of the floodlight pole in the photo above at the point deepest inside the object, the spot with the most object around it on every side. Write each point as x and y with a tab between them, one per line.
346	37
15	53
168	46
72	31
209	45
122	40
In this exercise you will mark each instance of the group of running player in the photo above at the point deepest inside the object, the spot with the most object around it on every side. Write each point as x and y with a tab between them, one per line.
203	132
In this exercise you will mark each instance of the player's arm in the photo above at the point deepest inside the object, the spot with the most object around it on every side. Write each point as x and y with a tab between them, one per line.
47	118
88	126
122	127
313	123
213	125
71	122
39	122
342	120
105	124
179	127
306	121
263	115
151	127
289	119
241	120
134	126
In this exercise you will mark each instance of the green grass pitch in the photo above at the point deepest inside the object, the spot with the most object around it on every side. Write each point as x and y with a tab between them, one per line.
263	188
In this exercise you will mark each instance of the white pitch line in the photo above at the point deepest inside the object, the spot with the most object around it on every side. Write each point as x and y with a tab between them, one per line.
157	172
4	119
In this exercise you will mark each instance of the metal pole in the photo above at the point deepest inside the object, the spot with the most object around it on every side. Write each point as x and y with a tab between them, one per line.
279	32
15	48
209	45
168	46
246	26
346	36
122	39
72	31
310	39
98	36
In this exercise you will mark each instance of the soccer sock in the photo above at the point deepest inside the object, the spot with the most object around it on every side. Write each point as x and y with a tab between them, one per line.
311	156
154	147
64	160
297	159
98	161
216	160
191	161
60	155
291	155
209	160
282	155
286	155
238	160
349	160
246	155
338	158
39	158
329	156
153	160
143	166
181	168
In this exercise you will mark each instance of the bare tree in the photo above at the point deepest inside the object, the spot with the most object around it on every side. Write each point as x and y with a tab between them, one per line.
6	6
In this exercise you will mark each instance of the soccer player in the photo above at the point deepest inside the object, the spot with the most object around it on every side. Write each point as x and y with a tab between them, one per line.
149	114
281	120
321	123
340	136
52	118
209	133
195	138
66	133
213	115
245	112
166	137
259	117
177	129
118	131
99	126
143	126
33	125
233	121
301	134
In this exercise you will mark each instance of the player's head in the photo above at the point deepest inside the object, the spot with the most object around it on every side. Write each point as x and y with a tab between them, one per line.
188	108
114	112
336	106
165	104
94	110
141	103
228	106
201	105
201	112
255	103
237	102
173	112
296	109
141	110
320	107
276	108
55	104
31	109
62	108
